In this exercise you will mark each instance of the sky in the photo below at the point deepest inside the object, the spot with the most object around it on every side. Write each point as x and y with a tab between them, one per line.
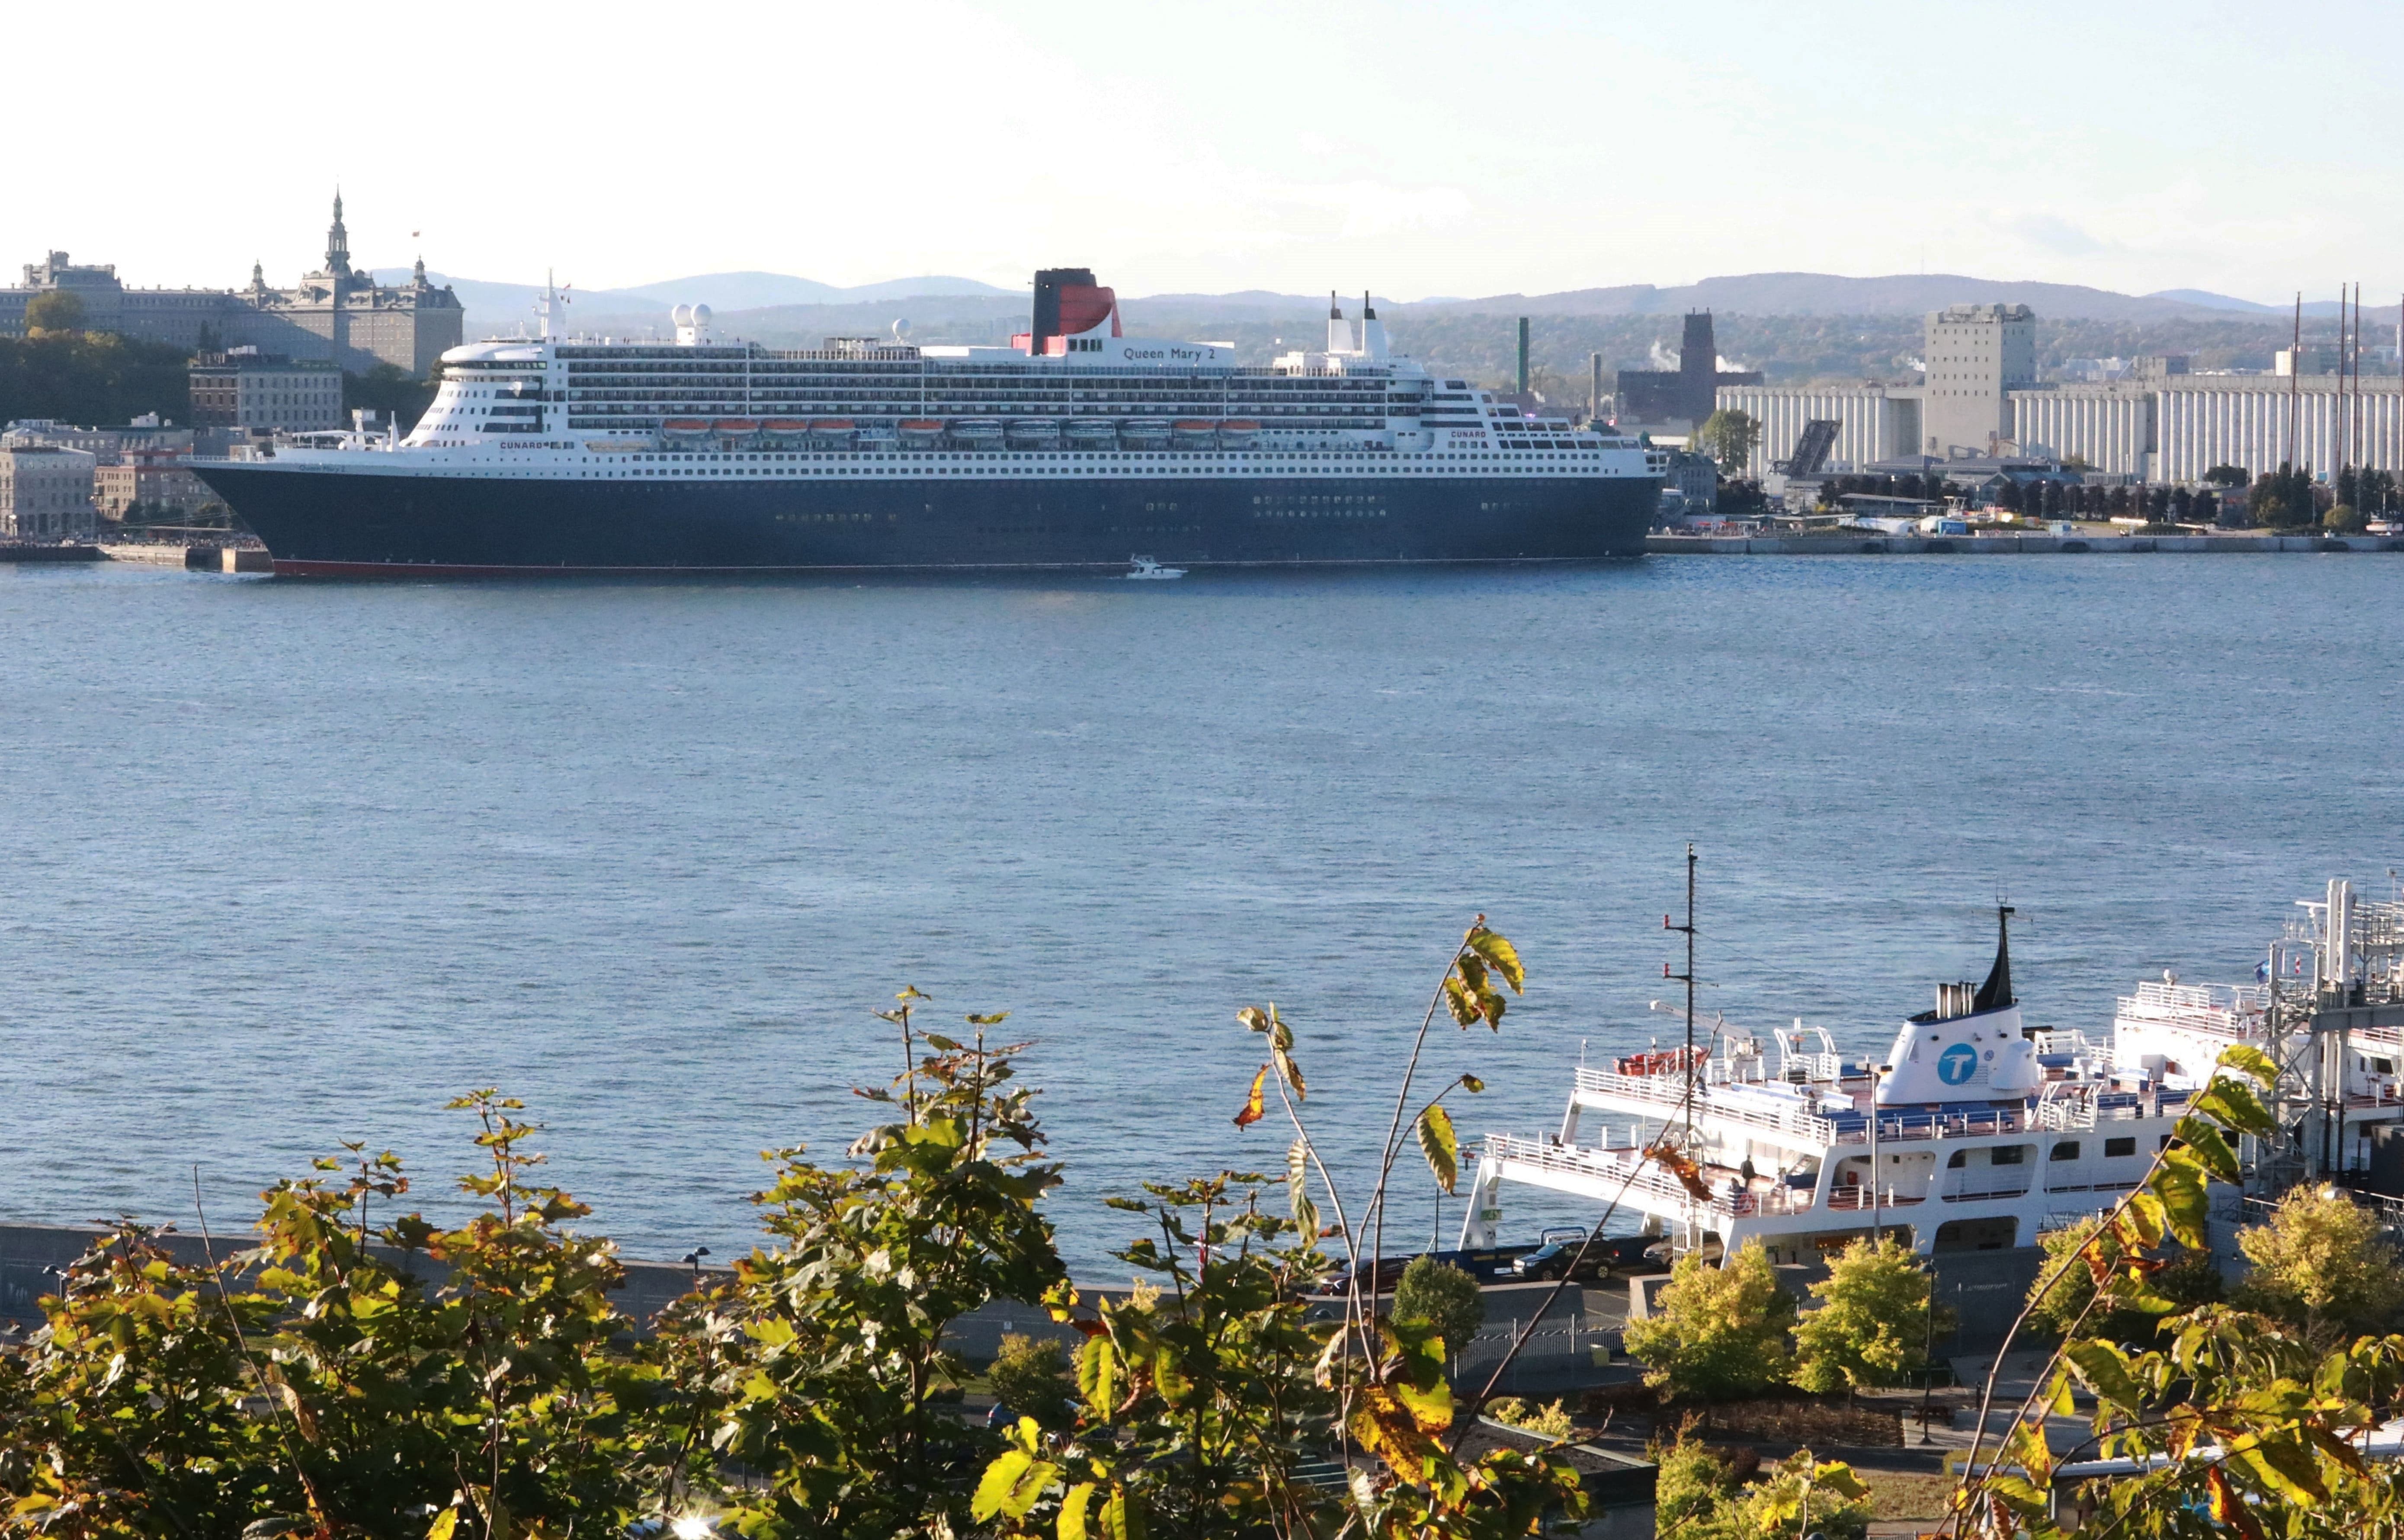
1457	149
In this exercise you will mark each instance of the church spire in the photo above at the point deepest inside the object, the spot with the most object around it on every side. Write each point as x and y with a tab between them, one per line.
338	242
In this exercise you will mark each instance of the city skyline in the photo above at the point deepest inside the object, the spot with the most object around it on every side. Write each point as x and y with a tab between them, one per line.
1419	150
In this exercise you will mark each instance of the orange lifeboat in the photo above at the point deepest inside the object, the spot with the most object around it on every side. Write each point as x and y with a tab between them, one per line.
685	426
831	424
786	424
735	428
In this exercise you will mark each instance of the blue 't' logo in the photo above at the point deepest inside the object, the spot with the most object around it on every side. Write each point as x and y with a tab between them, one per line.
1957	1064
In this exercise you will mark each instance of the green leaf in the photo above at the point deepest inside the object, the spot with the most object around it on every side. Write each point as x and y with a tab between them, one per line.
1501	955
1097	1375
2233	1104
1001	1480
1122	1516
1461	1002
1297	1188
1837	1477
1073	1511
2185	1208
2254	1062
2105	1371
2211	1151
1441	1147
1472	1084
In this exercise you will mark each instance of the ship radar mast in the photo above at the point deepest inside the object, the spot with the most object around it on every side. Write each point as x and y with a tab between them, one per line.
553	296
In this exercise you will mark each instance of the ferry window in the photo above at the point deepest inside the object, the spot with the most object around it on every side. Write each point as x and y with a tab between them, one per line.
2114	1147
2067	1150
1960	1158
2007	1154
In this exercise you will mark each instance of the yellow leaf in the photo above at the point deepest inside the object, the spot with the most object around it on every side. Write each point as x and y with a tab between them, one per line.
1253	1106
1073	1511
1440	1146
445	1522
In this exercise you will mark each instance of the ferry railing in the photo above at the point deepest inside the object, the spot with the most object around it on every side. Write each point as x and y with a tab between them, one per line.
1668	1093
1612	1166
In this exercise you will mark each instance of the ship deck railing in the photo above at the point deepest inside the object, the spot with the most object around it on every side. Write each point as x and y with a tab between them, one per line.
1664	1096
1608	1170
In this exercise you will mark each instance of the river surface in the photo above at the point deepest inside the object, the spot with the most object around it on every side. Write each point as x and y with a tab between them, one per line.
287	865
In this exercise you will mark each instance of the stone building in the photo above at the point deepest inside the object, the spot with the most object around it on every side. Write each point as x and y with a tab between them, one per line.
45	494
267	392
337	314
1682	397
154	480
1976	355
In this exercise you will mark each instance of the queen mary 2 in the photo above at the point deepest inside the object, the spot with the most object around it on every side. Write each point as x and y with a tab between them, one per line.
1076	446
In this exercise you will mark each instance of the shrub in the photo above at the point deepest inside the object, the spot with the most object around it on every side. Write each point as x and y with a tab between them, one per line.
1871	1322
1552	1420
1721	1331
1444	1297
2319	1264
1030	1378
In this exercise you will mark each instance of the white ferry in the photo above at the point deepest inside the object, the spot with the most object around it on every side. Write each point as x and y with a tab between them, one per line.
1978	1132
1067	448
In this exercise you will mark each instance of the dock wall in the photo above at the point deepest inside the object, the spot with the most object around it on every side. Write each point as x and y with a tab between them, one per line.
2005	545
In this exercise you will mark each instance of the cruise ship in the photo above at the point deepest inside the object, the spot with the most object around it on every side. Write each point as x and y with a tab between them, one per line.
1075	446
1979	1131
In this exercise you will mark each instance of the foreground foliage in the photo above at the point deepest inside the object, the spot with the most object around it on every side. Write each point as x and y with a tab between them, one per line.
1716	1332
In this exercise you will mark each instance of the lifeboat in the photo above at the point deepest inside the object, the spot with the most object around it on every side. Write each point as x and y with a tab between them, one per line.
735	428
1195	430
976	432
919	432
831	424
1238	433
783	431
1143	434
684	428
1035	430
1091	434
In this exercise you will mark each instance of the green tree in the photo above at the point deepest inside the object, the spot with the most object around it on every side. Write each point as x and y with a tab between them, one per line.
2059	1297
819	1364
390	391
55	310
2319	1264
1031	1377
1804	1496
1719	1332
1442	1298
1870	1323
340	1377
1202	1396
92	377
2345	519
2227	475
1729	437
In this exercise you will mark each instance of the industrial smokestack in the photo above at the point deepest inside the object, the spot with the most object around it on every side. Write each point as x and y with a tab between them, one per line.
1523	355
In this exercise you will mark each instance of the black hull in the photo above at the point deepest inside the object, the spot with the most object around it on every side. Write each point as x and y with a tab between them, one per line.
338	524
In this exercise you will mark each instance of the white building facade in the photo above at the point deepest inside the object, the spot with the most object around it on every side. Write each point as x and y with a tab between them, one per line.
1975	357
1873	423
46	494
2109	426
2259	422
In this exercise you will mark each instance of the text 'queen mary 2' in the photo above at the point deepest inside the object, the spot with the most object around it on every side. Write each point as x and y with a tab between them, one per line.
1075	446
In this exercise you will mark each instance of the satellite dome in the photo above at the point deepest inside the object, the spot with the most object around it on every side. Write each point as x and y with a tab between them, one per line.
900	330
701	314
681	315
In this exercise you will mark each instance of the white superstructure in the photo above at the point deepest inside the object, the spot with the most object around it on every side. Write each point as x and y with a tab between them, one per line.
1976	1131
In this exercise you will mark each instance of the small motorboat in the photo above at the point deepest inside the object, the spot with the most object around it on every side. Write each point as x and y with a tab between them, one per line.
1148	571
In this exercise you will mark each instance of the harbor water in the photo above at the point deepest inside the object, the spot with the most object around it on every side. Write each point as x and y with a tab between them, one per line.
287	865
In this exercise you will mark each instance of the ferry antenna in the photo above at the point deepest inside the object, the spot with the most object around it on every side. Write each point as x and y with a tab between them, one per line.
1687	978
